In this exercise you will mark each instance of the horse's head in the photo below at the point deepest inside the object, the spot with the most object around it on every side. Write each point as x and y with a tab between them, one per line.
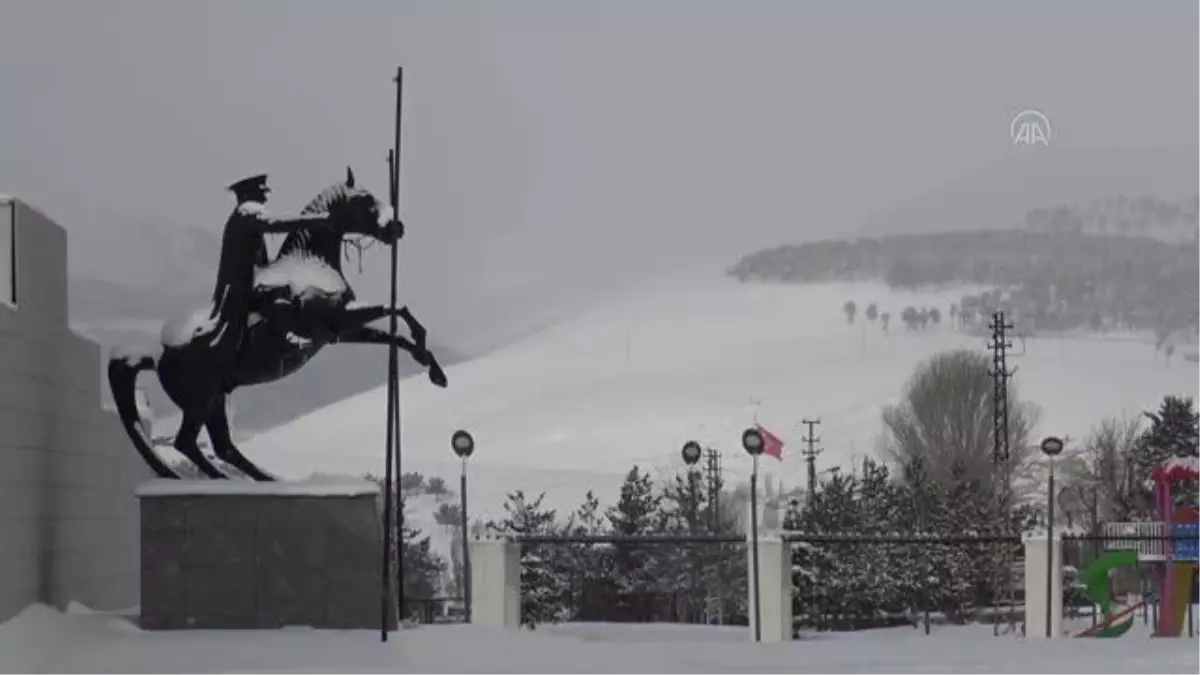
351	209
349	212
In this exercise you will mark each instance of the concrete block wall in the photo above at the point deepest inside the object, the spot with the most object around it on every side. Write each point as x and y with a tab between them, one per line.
68	515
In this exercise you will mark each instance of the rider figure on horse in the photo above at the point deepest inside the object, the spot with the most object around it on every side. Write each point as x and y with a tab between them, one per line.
243	249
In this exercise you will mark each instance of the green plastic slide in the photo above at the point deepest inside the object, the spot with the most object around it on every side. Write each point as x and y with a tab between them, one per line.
1095	579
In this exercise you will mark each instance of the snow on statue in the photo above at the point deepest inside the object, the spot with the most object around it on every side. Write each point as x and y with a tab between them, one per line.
266	320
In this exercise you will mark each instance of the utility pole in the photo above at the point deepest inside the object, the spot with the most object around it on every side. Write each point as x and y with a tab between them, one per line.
712	478
810	453
1000	376
713	604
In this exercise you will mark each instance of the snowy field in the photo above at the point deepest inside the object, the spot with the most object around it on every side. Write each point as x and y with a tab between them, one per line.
572	407
43	640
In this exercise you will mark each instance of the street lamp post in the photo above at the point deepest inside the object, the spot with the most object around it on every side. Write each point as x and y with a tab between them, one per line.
691	455
463	444
1051	446
752	443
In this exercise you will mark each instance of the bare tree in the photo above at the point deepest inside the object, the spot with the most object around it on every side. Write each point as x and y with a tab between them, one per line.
943	423
1098	477
436	486
448	515
850	309
412	482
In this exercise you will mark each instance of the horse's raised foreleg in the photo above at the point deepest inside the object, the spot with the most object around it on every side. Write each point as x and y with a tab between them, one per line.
419	353
217	425
185	443
361	315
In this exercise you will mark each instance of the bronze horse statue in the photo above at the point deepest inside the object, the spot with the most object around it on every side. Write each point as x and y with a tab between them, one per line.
299	303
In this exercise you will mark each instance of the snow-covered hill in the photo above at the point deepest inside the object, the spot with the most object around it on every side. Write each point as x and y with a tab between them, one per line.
574	406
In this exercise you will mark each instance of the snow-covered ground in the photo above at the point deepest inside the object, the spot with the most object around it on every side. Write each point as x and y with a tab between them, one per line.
572	407
44	640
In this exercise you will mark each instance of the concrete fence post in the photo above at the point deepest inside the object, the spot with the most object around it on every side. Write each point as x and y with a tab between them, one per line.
775	575
1036	551
496	583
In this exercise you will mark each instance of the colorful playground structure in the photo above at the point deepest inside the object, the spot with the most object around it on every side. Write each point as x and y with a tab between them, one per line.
1174	561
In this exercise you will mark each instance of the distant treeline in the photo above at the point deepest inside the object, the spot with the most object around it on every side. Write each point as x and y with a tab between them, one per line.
1059	279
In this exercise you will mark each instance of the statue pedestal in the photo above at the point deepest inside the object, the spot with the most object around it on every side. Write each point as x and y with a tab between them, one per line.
237	554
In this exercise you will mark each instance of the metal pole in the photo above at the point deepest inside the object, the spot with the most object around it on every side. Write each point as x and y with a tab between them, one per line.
754	549
389	474
1050	551
393	355
466	549
693	515
1163	490
1190	620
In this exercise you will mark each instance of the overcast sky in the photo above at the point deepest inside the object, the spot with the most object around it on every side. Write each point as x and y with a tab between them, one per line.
638	134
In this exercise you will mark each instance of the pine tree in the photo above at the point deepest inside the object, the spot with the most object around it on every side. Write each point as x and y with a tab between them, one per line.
955	566
1172	433
682	504
724	565
877	515
824	573
593	586
922	503
545	587
423	568
636	512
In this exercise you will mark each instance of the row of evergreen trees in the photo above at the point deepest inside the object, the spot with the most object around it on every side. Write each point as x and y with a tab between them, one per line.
850	585
631	582
837	585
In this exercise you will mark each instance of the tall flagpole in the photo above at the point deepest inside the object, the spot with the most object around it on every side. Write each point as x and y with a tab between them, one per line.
385	596
393	355
392	435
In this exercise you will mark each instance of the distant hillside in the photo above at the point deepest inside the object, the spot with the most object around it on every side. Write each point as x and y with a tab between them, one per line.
1144	216
100	302
999	196
1050	280
172	259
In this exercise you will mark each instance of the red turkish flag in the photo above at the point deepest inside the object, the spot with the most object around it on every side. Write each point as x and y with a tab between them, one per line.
772	444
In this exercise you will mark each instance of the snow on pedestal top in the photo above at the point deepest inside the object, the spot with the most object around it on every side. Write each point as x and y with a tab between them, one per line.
323	487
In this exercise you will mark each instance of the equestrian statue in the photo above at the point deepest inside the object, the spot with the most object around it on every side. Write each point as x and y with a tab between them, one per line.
266	320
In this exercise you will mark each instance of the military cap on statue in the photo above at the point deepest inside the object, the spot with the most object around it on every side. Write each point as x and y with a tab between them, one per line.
253	188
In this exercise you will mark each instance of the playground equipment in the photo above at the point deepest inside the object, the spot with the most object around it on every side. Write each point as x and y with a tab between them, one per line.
1176	558
1095	579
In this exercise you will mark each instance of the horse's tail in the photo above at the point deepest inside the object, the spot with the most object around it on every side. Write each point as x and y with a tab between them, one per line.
123	369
